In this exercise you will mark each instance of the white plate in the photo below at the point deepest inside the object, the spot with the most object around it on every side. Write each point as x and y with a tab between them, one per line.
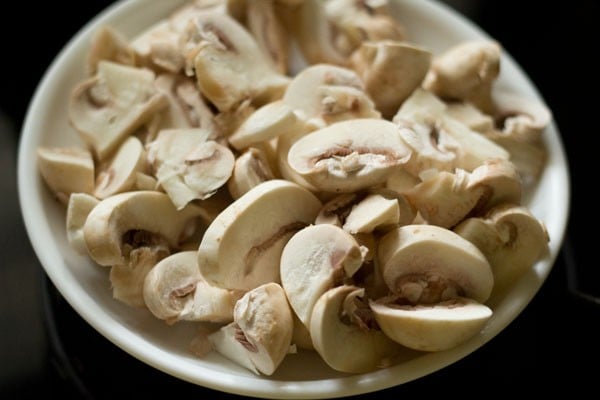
86	286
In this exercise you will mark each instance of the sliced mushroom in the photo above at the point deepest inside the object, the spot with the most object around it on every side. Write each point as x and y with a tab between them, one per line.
224	57
343	333
313	261
108	107
435	327
122	222
109	45
324	94
391	71
261	334
466	72
267	29
401	181
519	118
174	290
158	48
511	238
501	184
188	166
79	207
250	169
120	175
66	170
426	264
528	158
242	246
266	123
470	116
349	155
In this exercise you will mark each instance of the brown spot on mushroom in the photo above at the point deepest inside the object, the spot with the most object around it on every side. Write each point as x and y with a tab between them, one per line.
184	290
243	340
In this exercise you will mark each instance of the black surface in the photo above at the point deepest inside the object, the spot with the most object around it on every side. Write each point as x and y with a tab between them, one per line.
46	349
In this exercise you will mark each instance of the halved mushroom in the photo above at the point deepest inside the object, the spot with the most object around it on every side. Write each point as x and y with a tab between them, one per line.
466	72
267	29
242	246
186	107
426	264
324	94
361	21
250	169
121	223
224	57
66	170
391	71
349	155
174	290
313	261
519	118
188	166
79	207
120	175
343	332
432	327
511	238
108	107
261	334
109	45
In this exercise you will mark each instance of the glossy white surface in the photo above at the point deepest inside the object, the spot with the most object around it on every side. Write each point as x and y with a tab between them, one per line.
86	286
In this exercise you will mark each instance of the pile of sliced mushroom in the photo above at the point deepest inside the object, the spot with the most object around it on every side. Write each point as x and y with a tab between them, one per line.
365	205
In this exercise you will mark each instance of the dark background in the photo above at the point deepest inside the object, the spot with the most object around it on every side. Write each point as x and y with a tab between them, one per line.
46	349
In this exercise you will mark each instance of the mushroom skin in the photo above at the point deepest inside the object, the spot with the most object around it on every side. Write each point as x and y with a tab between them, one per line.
349	155
242	246
511	238
426	264
343	334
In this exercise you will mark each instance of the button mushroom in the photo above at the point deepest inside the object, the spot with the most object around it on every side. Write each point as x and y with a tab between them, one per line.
313	261
343	332
261	334
66	170
108	107
174	290
241	248
349	155
510	237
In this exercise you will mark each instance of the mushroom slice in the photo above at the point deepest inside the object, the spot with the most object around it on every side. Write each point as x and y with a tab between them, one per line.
266	123
391	71
265	26
108	107
128	220
174	290
224	57
66	170
250	169
120	175
241	248
79	207
349	155
529	158
466	72
261	334
500	181
426	264
313	261
510	237
401	181
158	48
435	327
341	327
186	107
322	94
314	33
110	45
519	118
470	116
188	166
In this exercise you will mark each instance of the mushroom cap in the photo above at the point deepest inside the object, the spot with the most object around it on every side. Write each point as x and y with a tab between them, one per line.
147	211
349	155
313	261
436	327
242	246
342	344
430	256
